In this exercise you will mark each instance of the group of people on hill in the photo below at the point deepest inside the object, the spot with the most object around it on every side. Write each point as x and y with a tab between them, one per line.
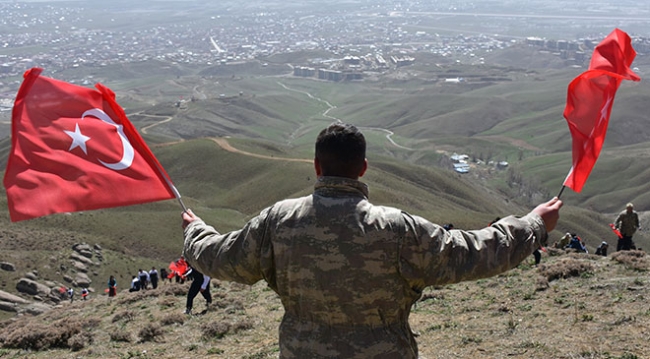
143	279
625	225
178	269
70	293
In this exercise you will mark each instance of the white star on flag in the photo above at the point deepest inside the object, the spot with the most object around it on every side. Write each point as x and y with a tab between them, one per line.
78	140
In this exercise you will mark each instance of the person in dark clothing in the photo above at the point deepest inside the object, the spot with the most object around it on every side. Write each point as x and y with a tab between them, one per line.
112	286
576	243
153	277
538	255
144	278
200	283
164	275
602	249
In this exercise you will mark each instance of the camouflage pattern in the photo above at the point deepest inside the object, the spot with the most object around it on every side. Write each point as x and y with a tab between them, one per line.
348	272
627	223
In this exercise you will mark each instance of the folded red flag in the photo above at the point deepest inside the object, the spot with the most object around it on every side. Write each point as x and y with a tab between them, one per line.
616	231
590	97
73	149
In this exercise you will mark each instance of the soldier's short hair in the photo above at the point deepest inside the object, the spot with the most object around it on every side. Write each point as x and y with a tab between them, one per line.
341	150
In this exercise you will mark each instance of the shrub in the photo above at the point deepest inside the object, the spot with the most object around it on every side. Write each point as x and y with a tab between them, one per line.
120	335
175	290
565	268
79	341
150	332
126	315
215	330
635	260
175	318
39	336
242	325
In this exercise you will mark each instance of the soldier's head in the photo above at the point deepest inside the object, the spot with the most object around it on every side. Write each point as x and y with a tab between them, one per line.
340	152
629	207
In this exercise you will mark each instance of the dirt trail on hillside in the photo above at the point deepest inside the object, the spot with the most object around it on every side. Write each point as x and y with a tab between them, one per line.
223	142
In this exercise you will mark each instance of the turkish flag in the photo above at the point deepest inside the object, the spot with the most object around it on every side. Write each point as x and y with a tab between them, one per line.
74	149
590	97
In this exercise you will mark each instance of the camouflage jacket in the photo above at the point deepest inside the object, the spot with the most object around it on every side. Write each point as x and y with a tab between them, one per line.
627	223
347	271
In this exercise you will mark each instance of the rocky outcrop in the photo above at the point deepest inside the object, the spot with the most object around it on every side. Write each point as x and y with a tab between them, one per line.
32	287
83	249
79	258
82	280
9	267
8	306
8	297
37	308
79	266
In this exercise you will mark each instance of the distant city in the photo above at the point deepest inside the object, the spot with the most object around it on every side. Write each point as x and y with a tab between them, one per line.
378	36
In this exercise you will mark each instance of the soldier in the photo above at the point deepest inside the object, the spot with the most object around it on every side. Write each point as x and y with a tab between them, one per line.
348	271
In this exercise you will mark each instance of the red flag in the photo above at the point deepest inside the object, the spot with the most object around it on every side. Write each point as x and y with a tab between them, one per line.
73	149
590	97
616	231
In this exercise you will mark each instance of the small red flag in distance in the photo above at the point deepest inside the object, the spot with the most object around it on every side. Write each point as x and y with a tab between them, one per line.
590	97
74	149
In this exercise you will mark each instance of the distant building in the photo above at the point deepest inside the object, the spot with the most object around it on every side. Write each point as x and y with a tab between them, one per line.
330	75
461	167
304	71
402	61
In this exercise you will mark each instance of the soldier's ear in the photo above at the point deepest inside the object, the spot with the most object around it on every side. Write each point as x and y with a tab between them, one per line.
365	167
317	168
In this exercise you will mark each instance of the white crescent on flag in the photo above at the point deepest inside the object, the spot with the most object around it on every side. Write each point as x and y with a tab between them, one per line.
128	153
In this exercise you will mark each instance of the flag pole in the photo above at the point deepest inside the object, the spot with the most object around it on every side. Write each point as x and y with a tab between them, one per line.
561	190
178	197
171	186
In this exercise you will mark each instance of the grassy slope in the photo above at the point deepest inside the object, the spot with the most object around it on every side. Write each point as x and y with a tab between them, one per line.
596	310
227	188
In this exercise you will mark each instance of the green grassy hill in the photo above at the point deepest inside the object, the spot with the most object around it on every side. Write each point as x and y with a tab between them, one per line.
271	118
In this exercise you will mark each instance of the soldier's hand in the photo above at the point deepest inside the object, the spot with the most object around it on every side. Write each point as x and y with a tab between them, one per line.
550	212
188	217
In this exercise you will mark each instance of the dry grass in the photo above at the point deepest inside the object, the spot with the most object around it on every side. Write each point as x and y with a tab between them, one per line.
571	306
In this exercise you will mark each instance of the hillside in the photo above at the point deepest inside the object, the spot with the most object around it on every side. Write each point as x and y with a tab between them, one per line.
228	134
571	306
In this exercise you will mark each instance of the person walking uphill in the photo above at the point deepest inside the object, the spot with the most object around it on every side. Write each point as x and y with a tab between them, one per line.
627	223
348	271
200	283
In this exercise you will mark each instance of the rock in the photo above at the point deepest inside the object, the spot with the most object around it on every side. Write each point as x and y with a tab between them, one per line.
80	258
82	280
97	247
8	307
79	266
9	267
67	278
32	287
37	308
83	249
8	297
31	276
